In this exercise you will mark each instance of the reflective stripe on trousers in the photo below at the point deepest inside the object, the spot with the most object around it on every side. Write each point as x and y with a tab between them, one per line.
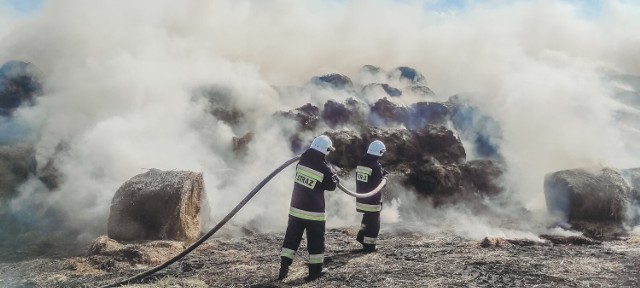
296	227
289	253
316	258
369	240
368	207
307	215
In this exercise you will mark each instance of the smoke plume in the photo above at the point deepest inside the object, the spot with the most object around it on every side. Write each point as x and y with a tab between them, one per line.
120	79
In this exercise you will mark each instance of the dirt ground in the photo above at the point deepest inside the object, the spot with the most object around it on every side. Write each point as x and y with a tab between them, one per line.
404	259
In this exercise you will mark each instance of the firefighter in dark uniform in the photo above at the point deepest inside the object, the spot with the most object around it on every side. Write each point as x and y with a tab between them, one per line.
313	177
369	174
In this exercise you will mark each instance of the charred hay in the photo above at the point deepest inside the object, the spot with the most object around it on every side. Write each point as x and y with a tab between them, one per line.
408	259
307	116
482	176
431	160
104	250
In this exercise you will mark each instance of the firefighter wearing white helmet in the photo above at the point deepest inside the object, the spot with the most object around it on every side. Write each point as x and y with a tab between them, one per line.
313	177
376	148
323	144
369	174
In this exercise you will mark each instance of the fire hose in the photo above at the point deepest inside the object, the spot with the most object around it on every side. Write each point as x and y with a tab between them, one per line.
222	222
363	195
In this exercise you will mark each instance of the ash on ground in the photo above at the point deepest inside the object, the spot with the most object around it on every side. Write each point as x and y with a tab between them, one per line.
403	259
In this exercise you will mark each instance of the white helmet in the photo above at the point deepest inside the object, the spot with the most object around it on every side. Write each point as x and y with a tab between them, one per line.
376	148
323	144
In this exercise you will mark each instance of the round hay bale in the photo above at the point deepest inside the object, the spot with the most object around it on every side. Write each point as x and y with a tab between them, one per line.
482	176
441	143
385	112
348	148
594	195
402	146
157	205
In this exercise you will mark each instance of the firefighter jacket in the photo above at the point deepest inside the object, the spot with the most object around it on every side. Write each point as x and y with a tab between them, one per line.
313	177
369	174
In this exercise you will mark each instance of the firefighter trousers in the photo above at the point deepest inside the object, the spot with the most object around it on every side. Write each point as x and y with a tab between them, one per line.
293	237
369	229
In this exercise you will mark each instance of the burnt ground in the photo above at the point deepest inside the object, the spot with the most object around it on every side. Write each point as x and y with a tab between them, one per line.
404	259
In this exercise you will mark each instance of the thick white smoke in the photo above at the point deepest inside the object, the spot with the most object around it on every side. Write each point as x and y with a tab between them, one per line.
120	77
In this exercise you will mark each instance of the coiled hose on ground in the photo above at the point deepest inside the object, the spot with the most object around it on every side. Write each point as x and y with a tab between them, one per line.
222	222
210	233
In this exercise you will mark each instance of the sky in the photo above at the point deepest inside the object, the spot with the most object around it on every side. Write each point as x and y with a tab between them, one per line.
121	75
588	8
22	6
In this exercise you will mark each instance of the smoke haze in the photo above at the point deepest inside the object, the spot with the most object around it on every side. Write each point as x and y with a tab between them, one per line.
120	78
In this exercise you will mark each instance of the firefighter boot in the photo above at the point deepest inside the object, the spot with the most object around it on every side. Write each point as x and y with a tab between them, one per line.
315	271
368	248
360	237
284	268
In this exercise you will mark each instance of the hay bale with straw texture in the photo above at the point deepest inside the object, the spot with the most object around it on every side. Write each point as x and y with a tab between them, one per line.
157	205
594	195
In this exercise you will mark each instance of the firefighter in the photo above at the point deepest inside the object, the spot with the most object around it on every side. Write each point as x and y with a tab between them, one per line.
369	174
313	177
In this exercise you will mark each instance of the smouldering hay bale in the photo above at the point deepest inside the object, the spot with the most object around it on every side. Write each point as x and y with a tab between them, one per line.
17	162
345	141
595	195
157	205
